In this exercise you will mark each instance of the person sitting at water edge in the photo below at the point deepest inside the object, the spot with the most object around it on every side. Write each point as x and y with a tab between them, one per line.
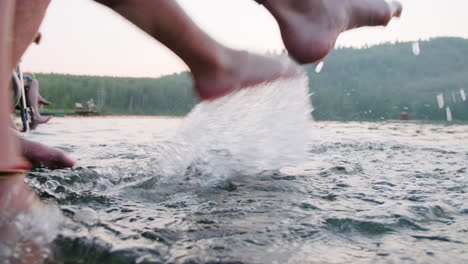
309	29
34	99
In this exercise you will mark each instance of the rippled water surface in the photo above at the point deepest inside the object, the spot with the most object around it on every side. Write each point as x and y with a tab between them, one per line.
385	192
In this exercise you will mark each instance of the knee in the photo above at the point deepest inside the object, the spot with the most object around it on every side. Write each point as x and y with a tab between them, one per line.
33	87
38	5
34	84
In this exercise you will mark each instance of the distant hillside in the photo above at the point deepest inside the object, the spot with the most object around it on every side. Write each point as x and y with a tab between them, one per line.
381	81
168	95
355	84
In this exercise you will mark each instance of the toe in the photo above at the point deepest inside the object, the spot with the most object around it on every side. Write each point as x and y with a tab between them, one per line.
62	161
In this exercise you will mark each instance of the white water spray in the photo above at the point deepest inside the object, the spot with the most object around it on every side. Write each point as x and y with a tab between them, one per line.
440	100
449	114
256	129
319	67
30	234
416	49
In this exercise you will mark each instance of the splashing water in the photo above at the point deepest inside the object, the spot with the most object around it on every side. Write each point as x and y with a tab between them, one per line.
32	232
440	100
416	49
449	114
319	67
253	130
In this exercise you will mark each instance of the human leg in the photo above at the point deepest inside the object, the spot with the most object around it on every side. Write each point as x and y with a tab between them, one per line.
9	151
15	196
217	70
32	98
309	28
41	100
28	17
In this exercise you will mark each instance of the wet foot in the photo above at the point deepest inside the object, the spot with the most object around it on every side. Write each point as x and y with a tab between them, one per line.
39	120
239	69
43	156
309	28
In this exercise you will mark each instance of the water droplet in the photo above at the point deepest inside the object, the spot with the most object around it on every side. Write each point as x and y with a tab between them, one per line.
319	67
416	49
462	94
440	100
453	97
449	114
52	184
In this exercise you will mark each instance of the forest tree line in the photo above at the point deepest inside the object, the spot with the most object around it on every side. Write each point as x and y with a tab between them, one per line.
375	83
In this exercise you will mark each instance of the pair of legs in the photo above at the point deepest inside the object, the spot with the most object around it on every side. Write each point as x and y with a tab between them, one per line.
309	29
34	99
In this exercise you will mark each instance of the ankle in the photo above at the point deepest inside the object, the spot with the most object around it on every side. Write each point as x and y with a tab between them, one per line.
218	61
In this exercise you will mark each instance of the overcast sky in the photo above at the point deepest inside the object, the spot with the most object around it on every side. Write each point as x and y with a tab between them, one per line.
81	37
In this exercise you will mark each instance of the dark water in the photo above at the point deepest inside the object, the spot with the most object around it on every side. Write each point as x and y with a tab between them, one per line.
370	193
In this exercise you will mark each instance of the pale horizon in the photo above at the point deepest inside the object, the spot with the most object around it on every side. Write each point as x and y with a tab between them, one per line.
81	37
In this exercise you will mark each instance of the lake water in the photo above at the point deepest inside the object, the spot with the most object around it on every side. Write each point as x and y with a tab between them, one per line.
388	192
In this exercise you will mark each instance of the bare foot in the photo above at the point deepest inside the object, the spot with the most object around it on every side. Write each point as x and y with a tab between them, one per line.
239	69
41	100
43	156
309	28
37	120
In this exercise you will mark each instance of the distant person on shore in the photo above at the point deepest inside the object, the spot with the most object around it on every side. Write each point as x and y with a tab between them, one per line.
309	29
